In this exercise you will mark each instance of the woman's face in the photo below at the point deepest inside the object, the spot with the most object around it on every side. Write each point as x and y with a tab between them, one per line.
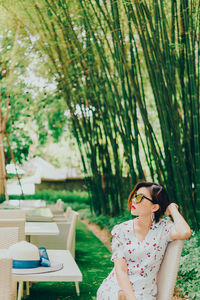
144	208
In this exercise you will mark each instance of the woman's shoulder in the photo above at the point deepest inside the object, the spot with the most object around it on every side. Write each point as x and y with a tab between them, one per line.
164	222
121	227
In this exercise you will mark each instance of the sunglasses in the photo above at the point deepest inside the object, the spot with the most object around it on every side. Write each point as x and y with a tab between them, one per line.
139	198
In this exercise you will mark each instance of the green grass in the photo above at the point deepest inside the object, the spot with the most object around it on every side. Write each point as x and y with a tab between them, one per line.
93	259
52	195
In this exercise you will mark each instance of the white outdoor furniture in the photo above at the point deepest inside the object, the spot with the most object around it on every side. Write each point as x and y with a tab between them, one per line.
42	229
12	213
65	239
41	214
168	270
63	217
70	271
8	237
13	218
5	275
58	208
23	203
30	229
18	222
68	212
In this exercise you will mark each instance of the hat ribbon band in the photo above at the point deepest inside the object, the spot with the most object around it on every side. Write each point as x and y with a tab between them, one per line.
25	264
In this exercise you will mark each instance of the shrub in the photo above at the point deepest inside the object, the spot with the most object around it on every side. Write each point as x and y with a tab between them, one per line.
51	196
189	271
106	222
78	206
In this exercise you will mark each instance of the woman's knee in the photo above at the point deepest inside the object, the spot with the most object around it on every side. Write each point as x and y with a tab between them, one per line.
121	295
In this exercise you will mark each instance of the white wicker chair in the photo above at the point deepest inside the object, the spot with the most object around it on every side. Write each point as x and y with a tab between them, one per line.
65	217
71	238
58	208
20	223
68	212
65	239
168	270
5	275
8	237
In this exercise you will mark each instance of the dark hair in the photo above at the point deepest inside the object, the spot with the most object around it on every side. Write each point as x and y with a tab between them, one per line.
159	196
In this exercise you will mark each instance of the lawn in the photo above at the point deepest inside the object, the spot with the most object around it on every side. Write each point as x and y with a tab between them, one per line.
93	259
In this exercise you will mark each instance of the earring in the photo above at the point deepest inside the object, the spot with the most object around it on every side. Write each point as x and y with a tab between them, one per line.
152	217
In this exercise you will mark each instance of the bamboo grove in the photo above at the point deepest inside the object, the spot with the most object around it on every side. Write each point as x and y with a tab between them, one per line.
116	64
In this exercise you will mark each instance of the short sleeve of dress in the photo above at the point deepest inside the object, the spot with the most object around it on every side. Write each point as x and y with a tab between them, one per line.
168	225
117	243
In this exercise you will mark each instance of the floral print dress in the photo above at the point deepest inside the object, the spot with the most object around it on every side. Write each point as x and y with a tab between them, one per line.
143	259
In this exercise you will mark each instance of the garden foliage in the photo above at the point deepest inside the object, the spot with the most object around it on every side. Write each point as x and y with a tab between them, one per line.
189	271
115	62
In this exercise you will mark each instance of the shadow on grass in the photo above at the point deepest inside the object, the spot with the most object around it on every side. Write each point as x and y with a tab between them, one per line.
93	259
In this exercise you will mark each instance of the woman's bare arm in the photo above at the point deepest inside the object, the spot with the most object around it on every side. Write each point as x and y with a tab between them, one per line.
181	230
123	279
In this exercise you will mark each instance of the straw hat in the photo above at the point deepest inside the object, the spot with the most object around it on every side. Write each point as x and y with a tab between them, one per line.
25	255
27	260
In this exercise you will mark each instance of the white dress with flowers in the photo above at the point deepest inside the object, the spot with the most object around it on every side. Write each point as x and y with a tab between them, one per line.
143	259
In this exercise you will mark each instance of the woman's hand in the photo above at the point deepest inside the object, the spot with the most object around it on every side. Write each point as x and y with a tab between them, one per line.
170	208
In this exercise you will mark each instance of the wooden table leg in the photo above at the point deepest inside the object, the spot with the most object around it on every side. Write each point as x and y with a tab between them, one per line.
77	288
28	238
20	290
27	288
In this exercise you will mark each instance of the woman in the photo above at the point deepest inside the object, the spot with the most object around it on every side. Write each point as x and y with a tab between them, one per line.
138	245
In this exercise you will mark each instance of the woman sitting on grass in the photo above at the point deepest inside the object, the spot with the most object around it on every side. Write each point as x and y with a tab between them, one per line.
138	245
